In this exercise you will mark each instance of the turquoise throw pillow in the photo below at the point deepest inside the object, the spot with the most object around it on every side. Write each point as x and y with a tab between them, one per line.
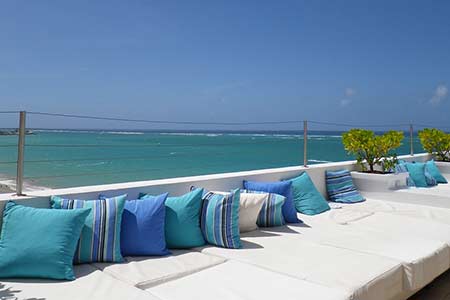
307	199
417	174
434	171
220	219
39	243
100	237
183	220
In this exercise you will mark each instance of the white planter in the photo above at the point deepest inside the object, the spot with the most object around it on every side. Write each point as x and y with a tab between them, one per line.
370	182
443	166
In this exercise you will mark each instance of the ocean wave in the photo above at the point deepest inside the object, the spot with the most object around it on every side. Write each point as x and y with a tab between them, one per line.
122	132
87	131
319	161
191	134
91	164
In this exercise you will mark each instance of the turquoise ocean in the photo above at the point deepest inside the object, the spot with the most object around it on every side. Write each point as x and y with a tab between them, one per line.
68	158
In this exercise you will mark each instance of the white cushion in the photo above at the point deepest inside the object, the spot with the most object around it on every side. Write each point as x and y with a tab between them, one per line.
249	209
236	281
423	260
365	276
90	284
144	272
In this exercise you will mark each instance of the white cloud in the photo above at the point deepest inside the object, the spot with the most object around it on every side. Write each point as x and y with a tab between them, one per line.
350	92
440	93
345	102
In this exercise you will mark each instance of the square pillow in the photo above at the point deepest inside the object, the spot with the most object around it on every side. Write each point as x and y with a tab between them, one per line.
220	219
340	187
281	188
271	213
100	236
182	226
250	205
143	226
417	173
38	242
307	199
401	168
434	171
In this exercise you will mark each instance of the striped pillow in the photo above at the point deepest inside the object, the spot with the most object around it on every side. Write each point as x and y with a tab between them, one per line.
100	237
220	219
271	213
340	187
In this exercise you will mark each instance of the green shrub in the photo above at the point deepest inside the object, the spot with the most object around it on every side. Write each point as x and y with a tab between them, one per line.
372	149
436	142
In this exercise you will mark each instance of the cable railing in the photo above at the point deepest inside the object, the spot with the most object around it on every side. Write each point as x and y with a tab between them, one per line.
111	158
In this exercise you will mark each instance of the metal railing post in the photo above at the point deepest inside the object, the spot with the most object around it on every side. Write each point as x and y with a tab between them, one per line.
305	143
20	154
411	141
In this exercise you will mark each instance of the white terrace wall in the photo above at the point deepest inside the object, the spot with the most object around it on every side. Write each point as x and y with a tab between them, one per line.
179	186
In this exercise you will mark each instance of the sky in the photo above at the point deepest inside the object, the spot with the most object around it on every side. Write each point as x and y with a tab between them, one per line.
353	61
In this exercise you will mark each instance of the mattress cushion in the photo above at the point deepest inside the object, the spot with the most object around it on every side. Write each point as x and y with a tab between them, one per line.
145	272
90	284
423	260
364	276
237	281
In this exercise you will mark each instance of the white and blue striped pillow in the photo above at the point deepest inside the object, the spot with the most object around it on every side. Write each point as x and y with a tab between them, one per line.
100	236
219	220
340	187
271	213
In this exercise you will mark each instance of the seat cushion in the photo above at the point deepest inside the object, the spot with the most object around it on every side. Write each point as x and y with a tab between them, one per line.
423	260
145	272
237	281
364	276
90	284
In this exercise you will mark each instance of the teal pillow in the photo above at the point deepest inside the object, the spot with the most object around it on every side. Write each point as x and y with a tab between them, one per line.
38	242
100	236
417	173
307	199
434	171
183	220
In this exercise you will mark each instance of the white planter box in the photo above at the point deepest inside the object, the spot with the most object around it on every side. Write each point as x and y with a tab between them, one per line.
444	167
370	182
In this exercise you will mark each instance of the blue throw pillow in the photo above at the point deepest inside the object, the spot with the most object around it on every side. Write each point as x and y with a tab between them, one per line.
417	174
100	237
182	226
271	213
39	243
283	188
340	187
435	172
220	219
307	199
143	224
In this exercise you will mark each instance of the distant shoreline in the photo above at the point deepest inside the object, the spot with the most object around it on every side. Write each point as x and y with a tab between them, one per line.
8	185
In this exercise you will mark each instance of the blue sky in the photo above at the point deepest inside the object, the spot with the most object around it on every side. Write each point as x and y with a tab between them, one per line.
337	61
